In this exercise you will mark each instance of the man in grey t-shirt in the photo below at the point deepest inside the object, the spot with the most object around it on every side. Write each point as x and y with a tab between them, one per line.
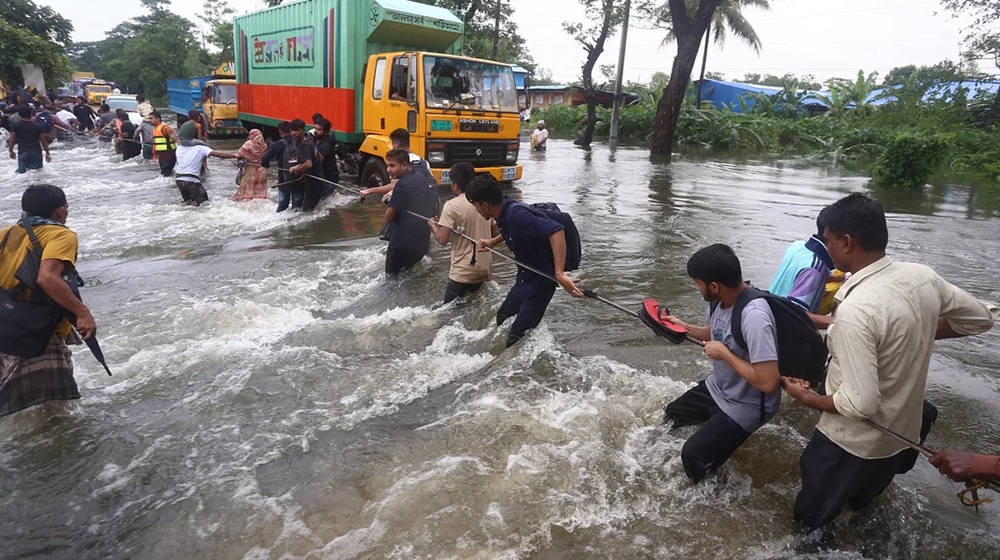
744	390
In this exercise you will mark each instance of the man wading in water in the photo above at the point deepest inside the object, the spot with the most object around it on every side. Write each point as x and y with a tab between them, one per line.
191	155
468	270
888	316
25	382
535	240
744	391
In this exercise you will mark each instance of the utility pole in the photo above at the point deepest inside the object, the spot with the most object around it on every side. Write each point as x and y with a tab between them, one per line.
616	108
496	31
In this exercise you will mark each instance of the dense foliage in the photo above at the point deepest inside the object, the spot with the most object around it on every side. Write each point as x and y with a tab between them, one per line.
32	34
916	133
141	54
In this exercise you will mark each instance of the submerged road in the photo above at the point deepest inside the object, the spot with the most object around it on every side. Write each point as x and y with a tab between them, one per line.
275	398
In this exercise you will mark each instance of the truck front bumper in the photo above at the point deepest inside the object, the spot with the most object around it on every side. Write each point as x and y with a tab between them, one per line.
505	173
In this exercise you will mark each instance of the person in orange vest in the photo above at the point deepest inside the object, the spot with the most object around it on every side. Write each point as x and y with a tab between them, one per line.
164	144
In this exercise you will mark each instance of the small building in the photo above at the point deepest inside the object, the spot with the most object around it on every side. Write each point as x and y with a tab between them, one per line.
543	97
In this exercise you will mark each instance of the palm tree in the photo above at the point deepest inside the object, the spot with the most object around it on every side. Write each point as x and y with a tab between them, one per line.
728	18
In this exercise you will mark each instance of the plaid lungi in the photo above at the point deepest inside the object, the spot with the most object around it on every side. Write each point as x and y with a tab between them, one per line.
25	382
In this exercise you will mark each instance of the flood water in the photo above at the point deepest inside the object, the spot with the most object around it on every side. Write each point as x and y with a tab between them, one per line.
274	397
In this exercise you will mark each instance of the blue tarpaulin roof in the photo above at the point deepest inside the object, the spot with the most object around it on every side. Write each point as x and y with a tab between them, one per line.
727	94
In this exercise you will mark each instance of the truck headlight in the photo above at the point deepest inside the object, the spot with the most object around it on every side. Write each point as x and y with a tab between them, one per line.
511	155
436	156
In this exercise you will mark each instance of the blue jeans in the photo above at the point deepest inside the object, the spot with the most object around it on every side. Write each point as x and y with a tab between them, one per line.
290	193
28	160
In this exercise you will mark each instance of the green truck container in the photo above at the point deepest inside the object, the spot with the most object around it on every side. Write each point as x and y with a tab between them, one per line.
373	66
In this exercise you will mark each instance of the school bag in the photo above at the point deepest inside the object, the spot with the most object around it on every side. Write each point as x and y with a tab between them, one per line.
26	326
44	121
802	352
574	248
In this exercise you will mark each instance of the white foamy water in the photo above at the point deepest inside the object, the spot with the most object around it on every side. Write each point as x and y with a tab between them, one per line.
275	397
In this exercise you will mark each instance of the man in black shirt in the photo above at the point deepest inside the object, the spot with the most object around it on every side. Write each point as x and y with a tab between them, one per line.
326	145
85	114
411	235
30	143
303	161
276	151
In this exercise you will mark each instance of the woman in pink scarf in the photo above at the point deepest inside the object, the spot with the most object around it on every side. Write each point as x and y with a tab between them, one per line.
254	184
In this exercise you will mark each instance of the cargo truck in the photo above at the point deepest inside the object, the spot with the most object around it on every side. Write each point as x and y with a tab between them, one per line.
215	96
374	66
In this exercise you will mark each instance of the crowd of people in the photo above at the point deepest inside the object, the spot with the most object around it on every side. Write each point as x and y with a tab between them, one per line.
885	316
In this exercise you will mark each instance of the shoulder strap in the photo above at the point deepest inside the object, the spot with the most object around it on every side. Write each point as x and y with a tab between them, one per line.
36	245
745	297
5	238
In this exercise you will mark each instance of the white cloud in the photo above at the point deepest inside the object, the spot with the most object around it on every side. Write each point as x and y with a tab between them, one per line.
800	36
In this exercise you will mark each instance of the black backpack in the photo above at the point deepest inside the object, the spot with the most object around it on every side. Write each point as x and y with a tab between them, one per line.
26	326
802	352
44	120
574	249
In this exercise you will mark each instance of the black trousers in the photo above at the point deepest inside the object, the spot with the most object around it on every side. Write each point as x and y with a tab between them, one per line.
398	260
313	193
456	290
833	478
712	445
192	192
528	304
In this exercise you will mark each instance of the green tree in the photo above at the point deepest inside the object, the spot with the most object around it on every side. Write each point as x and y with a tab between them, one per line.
601	16
218	16
32	34
687	23
153	48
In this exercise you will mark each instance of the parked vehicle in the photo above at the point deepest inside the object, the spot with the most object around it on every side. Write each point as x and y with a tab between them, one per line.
372	67
97	91
215	96
128	103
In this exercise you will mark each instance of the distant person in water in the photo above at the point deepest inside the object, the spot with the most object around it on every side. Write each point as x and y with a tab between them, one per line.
540	137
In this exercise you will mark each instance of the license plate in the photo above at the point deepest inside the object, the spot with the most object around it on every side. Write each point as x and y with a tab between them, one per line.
509	173
446	177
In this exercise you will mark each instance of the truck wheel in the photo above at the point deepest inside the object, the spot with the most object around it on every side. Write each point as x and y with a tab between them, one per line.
374	173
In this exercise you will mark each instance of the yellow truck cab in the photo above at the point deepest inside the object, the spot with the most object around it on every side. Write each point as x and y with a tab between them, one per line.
97	92
455	109
374	66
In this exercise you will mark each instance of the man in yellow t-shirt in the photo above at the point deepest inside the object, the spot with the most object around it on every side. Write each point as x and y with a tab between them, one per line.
469	269
25	382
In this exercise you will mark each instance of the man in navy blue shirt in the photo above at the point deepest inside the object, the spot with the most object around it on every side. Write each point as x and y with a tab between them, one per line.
535	241
411	235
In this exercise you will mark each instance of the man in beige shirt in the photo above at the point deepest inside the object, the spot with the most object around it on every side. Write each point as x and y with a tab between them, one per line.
888	316
469	268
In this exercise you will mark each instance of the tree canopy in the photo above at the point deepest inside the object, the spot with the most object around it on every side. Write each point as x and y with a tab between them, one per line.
143	53
32	34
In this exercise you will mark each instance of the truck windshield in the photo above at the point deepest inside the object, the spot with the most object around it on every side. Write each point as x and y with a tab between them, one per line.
224	93
469	84
100	89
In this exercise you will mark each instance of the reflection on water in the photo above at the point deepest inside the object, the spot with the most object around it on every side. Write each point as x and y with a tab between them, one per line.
275	397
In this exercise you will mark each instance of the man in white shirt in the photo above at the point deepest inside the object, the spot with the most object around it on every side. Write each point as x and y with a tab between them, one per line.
187	172
887	317
539	137
469	268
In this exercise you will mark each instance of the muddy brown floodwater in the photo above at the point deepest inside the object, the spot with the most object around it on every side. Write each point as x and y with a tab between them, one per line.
275	398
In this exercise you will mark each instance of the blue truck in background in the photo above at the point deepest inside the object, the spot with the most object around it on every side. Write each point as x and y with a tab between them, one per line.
214	96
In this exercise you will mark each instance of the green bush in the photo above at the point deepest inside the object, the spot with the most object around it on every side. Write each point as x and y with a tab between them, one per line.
561	119
909	159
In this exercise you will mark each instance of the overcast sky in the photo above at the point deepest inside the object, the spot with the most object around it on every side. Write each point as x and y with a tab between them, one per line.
801	36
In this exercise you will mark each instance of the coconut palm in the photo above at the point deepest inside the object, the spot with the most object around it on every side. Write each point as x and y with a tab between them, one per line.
728	18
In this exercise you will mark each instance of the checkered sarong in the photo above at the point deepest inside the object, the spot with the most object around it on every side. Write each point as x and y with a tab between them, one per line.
25	382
